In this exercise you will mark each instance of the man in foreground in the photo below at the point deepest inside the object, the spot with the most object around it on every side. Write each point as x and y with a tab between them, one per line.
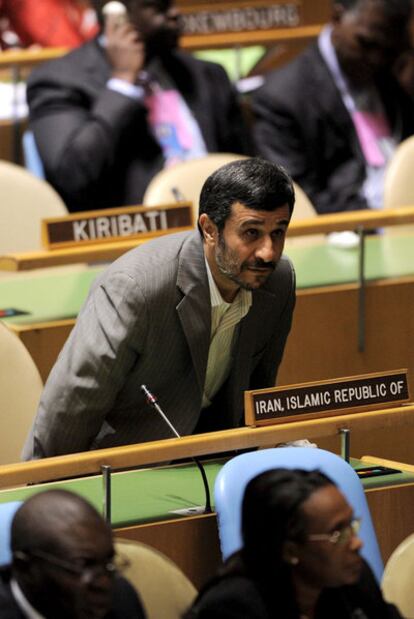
334	116
63	564
198	317
110	115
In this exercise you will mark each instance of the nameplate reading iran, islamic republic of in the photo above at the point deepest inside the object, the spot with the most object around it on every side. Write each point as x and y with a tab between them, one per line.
326	398
116	224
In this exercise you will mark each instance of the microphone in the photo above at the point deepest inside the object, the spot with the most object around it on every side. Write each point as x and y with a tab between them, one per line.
152	401
115	12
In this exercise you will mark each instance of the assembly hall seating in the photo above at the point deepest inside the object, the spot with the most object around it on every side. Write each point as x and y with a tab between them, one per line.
397	582
20	389
237	472
25	200
398	183
163	588
185	180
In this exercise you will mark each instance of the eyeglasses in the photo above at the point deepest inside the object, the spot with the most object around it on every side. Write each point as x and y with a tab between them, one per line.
85	570
341	536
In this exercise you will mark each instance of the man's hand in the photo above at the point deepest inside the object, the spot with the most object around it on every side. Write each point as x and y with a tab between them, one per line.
125	51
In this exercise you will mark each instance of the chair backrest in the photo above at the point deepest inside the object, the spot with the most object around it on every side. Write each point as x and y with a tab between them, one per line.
398	182
20	389
397	582
185	180
25	200
31	156
237	472
7	511
164	589
304	208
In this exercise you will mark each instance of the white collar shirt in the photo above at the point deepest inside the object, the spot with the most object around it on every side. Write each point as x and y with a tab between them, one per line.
22	602
224	319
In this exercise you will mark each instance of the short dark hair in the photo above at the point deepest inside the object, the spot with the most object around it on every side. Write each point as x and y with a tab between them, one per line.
256	183
401	8
38	522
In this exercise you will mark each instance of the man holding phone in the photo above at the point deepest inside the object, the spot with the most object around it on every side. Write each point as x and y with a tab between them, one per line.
108	116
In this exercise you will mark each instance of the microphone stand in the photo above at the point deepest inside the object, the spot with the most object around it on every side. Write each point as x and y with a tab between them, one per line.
152	401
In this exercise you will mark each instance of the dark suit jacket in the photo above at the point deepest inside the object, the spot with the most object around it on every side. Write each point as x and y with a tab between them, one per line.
147	321
126	604
237	596
302	123
96	145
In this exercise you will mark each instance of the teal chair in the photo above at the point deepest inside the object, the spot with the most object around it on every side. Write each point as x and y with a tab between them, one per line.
7	511
32	160
237	472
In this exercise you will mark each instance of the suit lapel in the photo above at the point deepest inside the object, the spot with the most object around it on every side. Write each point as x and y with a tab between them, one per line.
194	309
96	63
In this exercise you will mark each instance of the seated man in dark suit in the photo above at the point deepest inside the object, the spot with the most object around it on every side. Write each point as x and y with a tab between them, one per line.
108	116
334	115
63	564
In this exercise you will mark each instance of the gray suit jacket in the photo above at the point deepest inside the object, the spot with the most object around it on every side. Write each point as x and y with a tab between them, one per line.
147	321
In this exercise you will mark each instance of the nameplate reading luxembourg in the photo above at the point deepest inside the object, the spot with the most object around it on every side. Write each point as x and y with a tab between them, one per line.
208	18
116	224
328	398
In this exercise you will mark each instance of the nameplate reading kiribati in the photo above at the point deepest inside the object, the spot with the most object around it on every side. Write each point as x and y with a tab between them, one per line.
116	224
327	398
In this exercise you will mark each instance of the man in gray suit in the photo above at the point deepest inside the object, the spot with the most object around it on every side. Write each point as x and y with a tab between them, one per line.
198	317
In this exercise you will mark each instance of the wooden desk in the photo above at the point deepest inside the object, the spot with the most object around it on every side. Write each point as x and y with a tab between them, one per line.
184	541
108	251
324	338
323	346
143	500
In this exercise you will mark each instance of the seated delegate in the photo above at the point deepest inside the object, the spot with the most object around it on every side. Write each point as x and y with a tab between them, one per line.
334	115
110	115
64	564
300	557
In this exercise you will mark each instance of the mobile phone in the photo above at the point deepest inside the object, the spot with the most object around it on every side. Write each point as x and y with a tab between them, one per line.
375	471
115	12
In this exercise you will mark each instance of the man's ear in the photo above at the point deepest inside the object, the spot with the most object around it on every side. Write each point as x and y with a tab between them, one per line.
208	228
23	568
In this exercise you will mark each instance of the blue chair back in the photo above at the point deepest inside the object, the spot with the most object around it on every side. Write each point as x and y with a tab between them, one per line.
7	511
32	160
237	472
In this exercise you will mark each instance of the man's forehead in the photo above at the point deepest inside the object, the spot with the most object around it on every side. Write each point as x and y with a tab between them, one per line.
91	535
242	213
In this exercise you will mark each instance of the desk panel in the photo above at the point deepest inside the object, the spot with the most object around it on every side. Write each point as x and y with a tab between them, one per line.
324	337
143	502
387	256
